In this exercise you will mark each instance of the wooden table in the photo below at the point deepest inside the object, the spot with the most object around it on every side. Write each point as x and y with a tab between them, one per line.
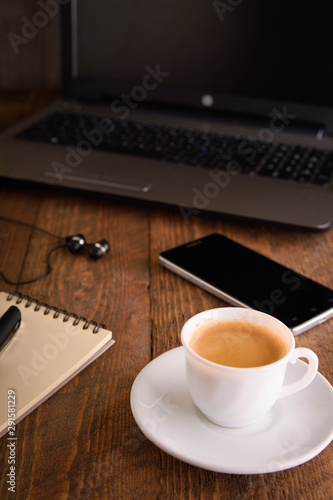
83	442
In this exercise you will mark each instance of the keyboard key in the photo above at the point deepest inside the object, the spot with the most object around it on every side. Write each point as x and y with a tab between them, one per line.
286	172
322	178
217	151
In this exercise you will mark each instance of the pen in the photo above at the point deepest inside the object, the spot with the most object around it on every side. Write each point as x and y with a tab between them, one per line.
9	324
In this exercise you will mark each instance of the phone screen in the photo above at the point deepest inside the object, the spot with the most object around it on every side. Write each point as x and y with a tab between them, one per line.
244	277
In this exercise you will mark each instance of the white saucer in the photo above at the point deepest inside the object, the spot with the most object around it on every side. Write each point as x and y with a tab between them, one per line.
294	431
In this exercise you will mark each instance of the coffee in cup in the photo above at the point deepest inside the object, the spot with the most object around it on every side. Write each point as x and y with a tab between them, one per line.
238	343
236	359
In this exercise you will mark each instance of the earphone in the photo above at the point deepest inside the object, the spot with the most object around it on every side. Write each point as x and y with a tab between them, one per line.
75	244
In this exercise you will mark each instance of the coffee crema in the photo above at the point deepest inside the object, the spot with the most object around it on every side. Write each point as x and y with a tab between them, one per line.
238	343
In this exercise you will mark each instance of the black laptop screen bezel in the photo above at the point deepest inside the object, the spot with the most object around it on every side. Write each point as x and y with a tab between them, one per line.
316	117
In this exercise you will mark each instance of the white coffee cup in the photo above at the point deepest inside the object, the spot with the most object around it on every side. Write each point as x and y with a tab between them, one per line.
235	397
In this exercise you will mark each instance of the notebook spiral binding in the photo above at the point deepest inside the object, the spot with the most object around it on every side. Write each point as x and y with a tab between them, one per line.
56	311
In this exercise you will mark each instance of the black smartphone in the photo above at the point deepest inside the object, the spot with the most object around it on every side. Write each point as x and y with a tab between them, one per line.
244	278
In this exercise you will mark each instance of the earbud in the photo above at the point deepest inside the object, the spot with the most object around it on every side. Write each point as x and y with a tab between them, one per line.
99	249
75	243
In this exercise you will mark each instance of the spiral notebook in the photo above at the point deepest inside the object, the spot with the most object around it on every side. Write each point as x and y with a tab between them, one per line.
50	347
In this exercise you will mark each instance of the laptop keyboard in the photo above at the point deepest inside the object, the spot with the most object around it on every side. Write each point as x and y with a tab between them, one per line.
178	145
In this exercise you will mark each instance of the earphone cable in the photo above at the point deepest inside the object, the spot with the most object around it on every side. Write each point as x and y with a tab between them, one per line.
74	243
33	280
33	226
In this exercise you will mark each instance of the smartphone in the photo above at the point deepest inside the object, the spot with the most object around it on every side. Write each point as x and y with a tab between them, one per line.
245	278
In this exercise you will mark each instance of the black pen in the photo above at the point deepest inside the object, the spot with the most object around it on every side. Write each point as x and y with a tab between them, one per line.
9	324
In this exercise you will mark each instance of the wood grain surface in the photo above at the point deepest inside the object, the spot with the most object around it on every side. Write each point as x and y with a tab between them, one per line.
83	442
30	48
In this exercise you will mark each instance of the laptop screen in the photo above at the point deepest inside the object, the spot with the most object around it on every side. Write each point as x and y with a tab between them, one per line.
235	55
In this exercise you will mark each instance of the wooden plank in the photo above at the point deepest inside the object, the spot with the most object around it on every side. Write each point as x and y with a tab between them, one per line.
83	442
114	291
30	51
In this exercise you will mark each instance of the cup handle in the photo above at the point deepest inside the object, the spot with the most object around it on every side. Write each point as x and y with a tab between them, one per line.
301	352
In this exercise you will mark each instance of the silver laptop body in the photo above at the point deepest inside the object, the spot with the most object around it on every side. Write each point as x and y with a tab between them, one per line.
122	65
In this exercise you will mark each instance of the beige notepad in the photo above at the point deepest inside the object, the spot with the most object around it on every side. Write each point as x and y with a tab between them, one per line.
50	347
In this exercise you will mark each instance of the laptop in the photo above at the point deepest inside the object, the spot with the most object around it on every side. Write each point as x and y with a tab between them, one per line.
212	107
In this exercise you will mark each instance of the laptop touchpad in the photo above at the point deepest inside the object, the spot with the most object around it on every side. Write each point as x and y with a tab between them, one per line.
97	180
